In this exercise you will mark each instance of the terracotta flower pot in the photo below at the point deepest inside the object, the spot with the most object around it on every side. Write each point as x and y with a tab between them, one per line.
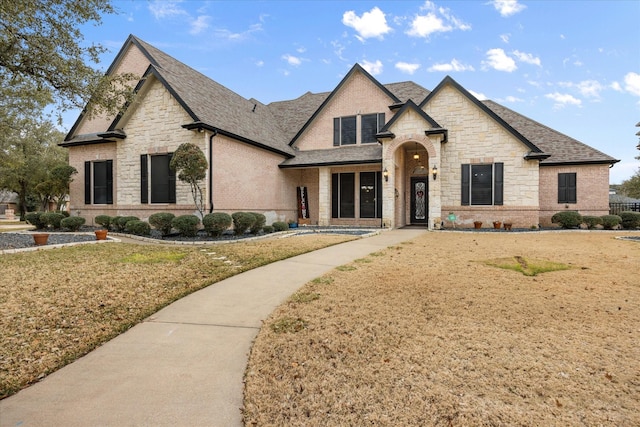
497	225
101	234
40	239
507	226
477	224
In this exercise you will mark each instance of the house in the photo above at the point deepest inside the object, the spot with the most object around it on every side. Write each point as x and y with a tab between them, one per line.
364	154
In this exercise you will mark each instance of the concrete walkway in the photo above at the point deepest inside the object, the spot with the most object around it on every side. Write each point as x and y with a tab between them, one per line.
183	366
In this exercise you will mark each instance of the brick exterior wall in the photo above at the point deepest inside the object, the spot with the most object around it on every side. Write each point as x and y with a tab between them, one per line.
592	191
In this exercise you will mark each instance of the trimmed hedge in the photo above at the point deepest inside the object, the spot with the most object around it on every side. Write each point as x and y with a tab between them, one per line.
242	221
267	229
592	221
280	226
137	227
216	223
72	223
34	219
51	219
567	219
609	222
103	220
162	221
121	221
258	224
187	225
630	220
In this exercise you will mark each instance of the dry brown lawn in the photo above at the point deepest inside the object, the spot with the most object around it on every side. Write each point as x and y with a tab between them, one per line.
59	304
431	332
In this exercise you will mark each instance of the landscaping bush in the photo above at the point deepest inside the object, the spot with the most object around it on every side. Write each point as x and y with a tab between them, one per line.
216	223
114	223
258	224
280	226
630	220
162	221
187	225
72	223
267	229
34	219
242	221
137	227
104	221
51	219
121	222
592	221
609	222
567	219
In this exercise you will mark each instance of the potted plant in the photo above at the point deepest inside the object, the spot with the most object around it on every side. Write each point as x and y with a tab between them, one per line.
497	225
292	224
40	239
477	224
101	234
507	225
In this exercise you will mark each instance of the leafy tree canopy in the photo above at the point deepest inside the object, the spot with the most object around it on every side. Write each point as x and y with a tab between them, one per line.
191	165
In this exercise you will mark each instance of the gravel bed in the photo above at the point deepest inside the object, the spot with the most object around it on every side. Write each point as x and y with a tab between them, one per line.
10	240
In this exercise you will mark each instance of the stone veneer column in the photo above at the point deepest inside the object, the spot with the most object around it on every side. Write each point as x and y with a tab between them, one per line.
324	196
388	193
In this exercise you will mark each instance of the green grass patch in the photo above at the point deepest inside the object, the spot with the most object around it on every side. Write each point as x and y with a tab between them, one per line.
153	258
346	268
289	325
304	297
528	267
323	280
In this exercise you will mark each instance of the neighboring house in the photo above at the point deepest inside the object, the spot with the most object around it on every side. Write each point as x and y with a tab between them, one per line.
364	154
8	200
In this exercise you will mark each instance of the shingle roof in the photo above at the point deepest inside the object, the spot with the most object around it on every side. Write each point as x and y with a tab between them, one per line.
563	148
350	154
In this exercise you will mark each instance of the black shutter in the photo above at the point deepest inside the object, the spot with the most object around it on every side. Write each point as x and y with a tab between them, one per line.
334	195
336	132
109	182
571	188
144	179
172	181
87	183
466	184
498	186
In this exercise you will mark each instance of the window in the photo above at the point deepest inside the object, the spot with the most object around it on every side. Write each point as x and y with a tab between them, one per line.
370	195
567	188
98	182
343	195
344	130
482	184
162	179
370	126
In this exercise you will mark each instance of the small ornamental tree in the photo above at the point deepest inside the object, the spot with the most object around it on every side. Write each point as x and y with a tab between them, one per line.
190	165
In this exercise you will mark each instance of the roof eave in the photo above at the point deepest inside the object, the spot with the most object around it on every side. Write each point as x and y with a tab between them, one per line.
336	163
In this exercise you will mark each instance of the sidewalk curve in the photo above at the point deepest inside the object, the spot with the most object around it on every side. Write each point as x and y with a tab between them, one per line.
185	364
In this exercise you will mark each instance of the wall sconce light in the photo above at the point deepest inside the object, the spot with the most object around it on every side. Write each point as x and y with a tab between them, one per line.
434	171
385	173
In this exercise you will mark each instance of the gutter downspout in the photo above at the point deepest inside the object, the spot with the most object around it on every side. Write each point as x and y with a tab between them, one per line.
213	134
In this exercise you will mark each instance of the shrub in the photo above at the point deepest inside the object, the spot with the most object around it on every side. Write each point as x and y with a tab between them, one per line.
267	229
216	223
34	219
51	219
121	222
114	223
630	220
242	221
280	226
567	219
610	221
187	225
72	223
162	221
592	221
103	220
137	227
258	224
65	214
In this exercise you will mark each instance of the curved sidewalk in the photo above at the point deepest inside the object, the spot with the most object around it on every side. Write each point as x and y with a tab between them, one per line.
185	364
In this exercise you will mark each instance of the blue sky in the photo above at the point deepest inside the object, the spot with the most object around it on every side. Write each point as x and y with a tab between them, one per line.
571	65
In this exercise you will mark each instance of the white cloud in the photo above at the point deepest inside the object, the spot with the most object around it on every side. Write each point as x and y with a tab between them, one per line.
454	65
229	35
292	60
616	86
406	67
479	95
632	83
498	60
590	88
199	24
562	99
505	38
436	20
259	63
373	68
370	24
508	7
166	9
526	57
512	99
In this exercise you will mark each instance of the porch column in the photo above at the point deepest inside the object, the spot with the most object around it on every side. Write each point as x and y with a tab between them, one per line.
388	193
324	196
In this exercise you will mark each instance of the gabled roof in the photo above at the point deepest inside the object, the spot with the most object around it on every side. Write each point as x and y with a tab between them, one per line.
357	68
409	105
563	148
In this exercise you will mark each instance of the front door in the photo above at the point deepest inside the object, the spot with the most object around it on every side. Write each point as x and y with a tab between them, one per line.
419	200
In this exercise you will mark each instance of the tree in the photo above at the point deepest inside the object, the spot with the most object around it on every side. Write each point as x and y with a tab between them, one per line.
42	58
191	165
631	186
27	152
56	187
